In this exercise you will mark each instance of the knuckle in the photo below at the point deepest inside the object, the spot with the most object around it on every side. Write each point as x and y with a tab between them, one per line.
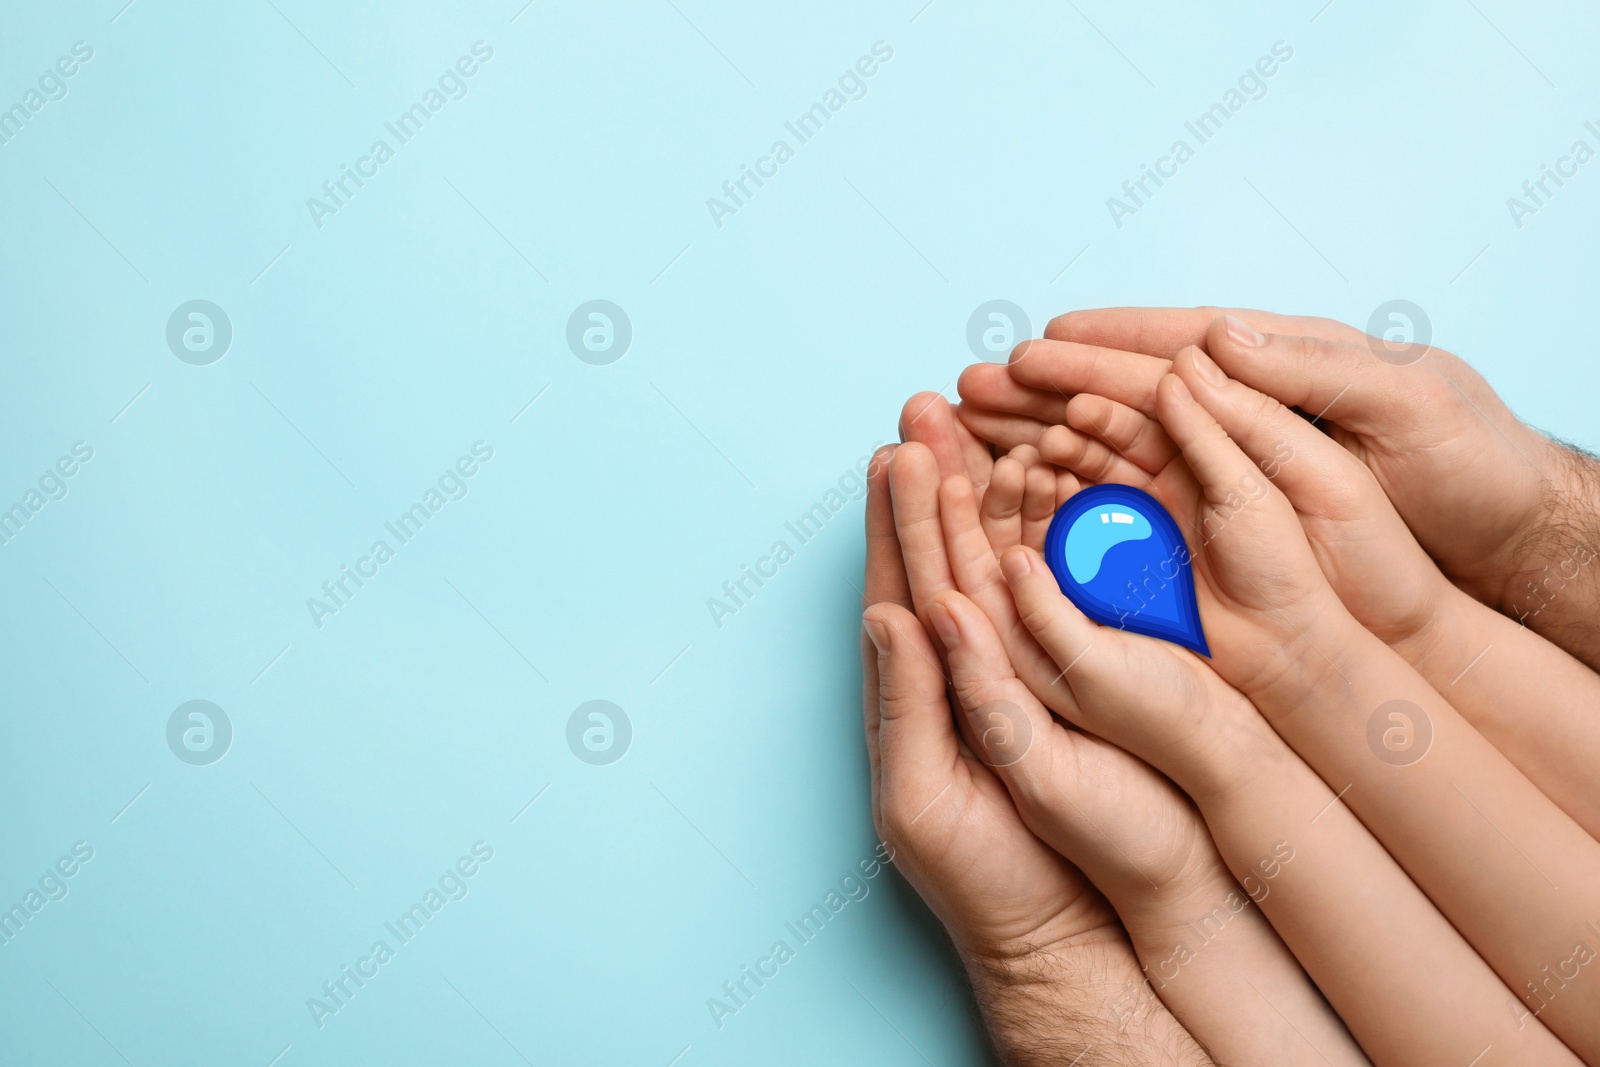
1062	446
1037	614
1305	349
1214	434
1025	455
1263	408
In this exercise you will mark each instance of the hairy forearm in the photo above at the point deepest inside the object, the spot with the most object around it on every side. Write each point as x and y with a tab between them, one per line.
1554	587
1085	1003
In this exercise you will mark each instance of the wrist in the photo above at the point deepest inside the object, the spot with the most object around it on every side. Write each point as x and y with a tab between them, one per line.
1455	631
1083	1001
1024	961
1555	545
1151	916
1439	629
1318	658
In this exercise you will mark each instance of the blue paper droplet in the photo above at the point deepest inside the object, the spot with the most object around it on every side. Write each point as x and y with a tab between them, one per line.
1119	557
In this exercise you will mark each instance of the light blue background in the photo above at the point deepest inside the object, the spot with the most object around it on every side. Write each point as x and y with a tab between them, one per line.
768	356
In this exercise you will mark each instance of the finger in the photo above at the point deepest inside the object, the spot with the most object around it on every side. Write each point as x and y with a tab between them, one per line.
978	452
1130	432
1165	331
978	577
1154	700
1340	380
917	740
1027	455
928	419
1065	368
884	581
991	386
885	577
914	489
1038	504
1089	800
1308	466
871	637
1003	429
1089	458
1003	723
1061	630
1218	465
1001	512
1067	483
973	564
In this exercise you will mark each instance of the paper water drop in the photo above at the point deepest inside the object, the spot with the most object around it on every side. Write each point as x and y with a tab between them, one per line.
1119	557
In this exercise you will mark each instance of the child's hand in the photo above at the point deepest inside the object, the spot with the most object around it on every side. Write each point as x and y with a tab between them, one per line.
1258	583
1279	633
1124	824
1141	841
1261	801
1463	648
1508	513
1380	573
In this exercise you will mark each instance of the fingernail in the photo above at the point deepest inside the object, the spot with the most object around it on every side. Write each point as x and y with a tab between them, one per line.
1243	333
1015	566
944	624
1180	391
878	632
1207	368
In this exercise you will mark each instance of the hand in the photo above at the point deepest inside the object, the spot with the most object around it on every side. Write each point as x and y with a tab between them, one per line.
1045	952
1258	586
1370	557
953	829
1137	837
1509	515
1258	796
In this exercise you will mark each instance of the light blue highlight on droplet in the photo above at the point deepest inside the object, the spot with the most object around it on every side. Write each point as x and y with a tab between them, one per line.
1096	532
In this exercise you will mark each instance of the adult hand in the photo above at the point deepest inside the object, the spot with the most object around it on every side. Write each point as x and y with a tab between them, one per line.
1264	598
1510	515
